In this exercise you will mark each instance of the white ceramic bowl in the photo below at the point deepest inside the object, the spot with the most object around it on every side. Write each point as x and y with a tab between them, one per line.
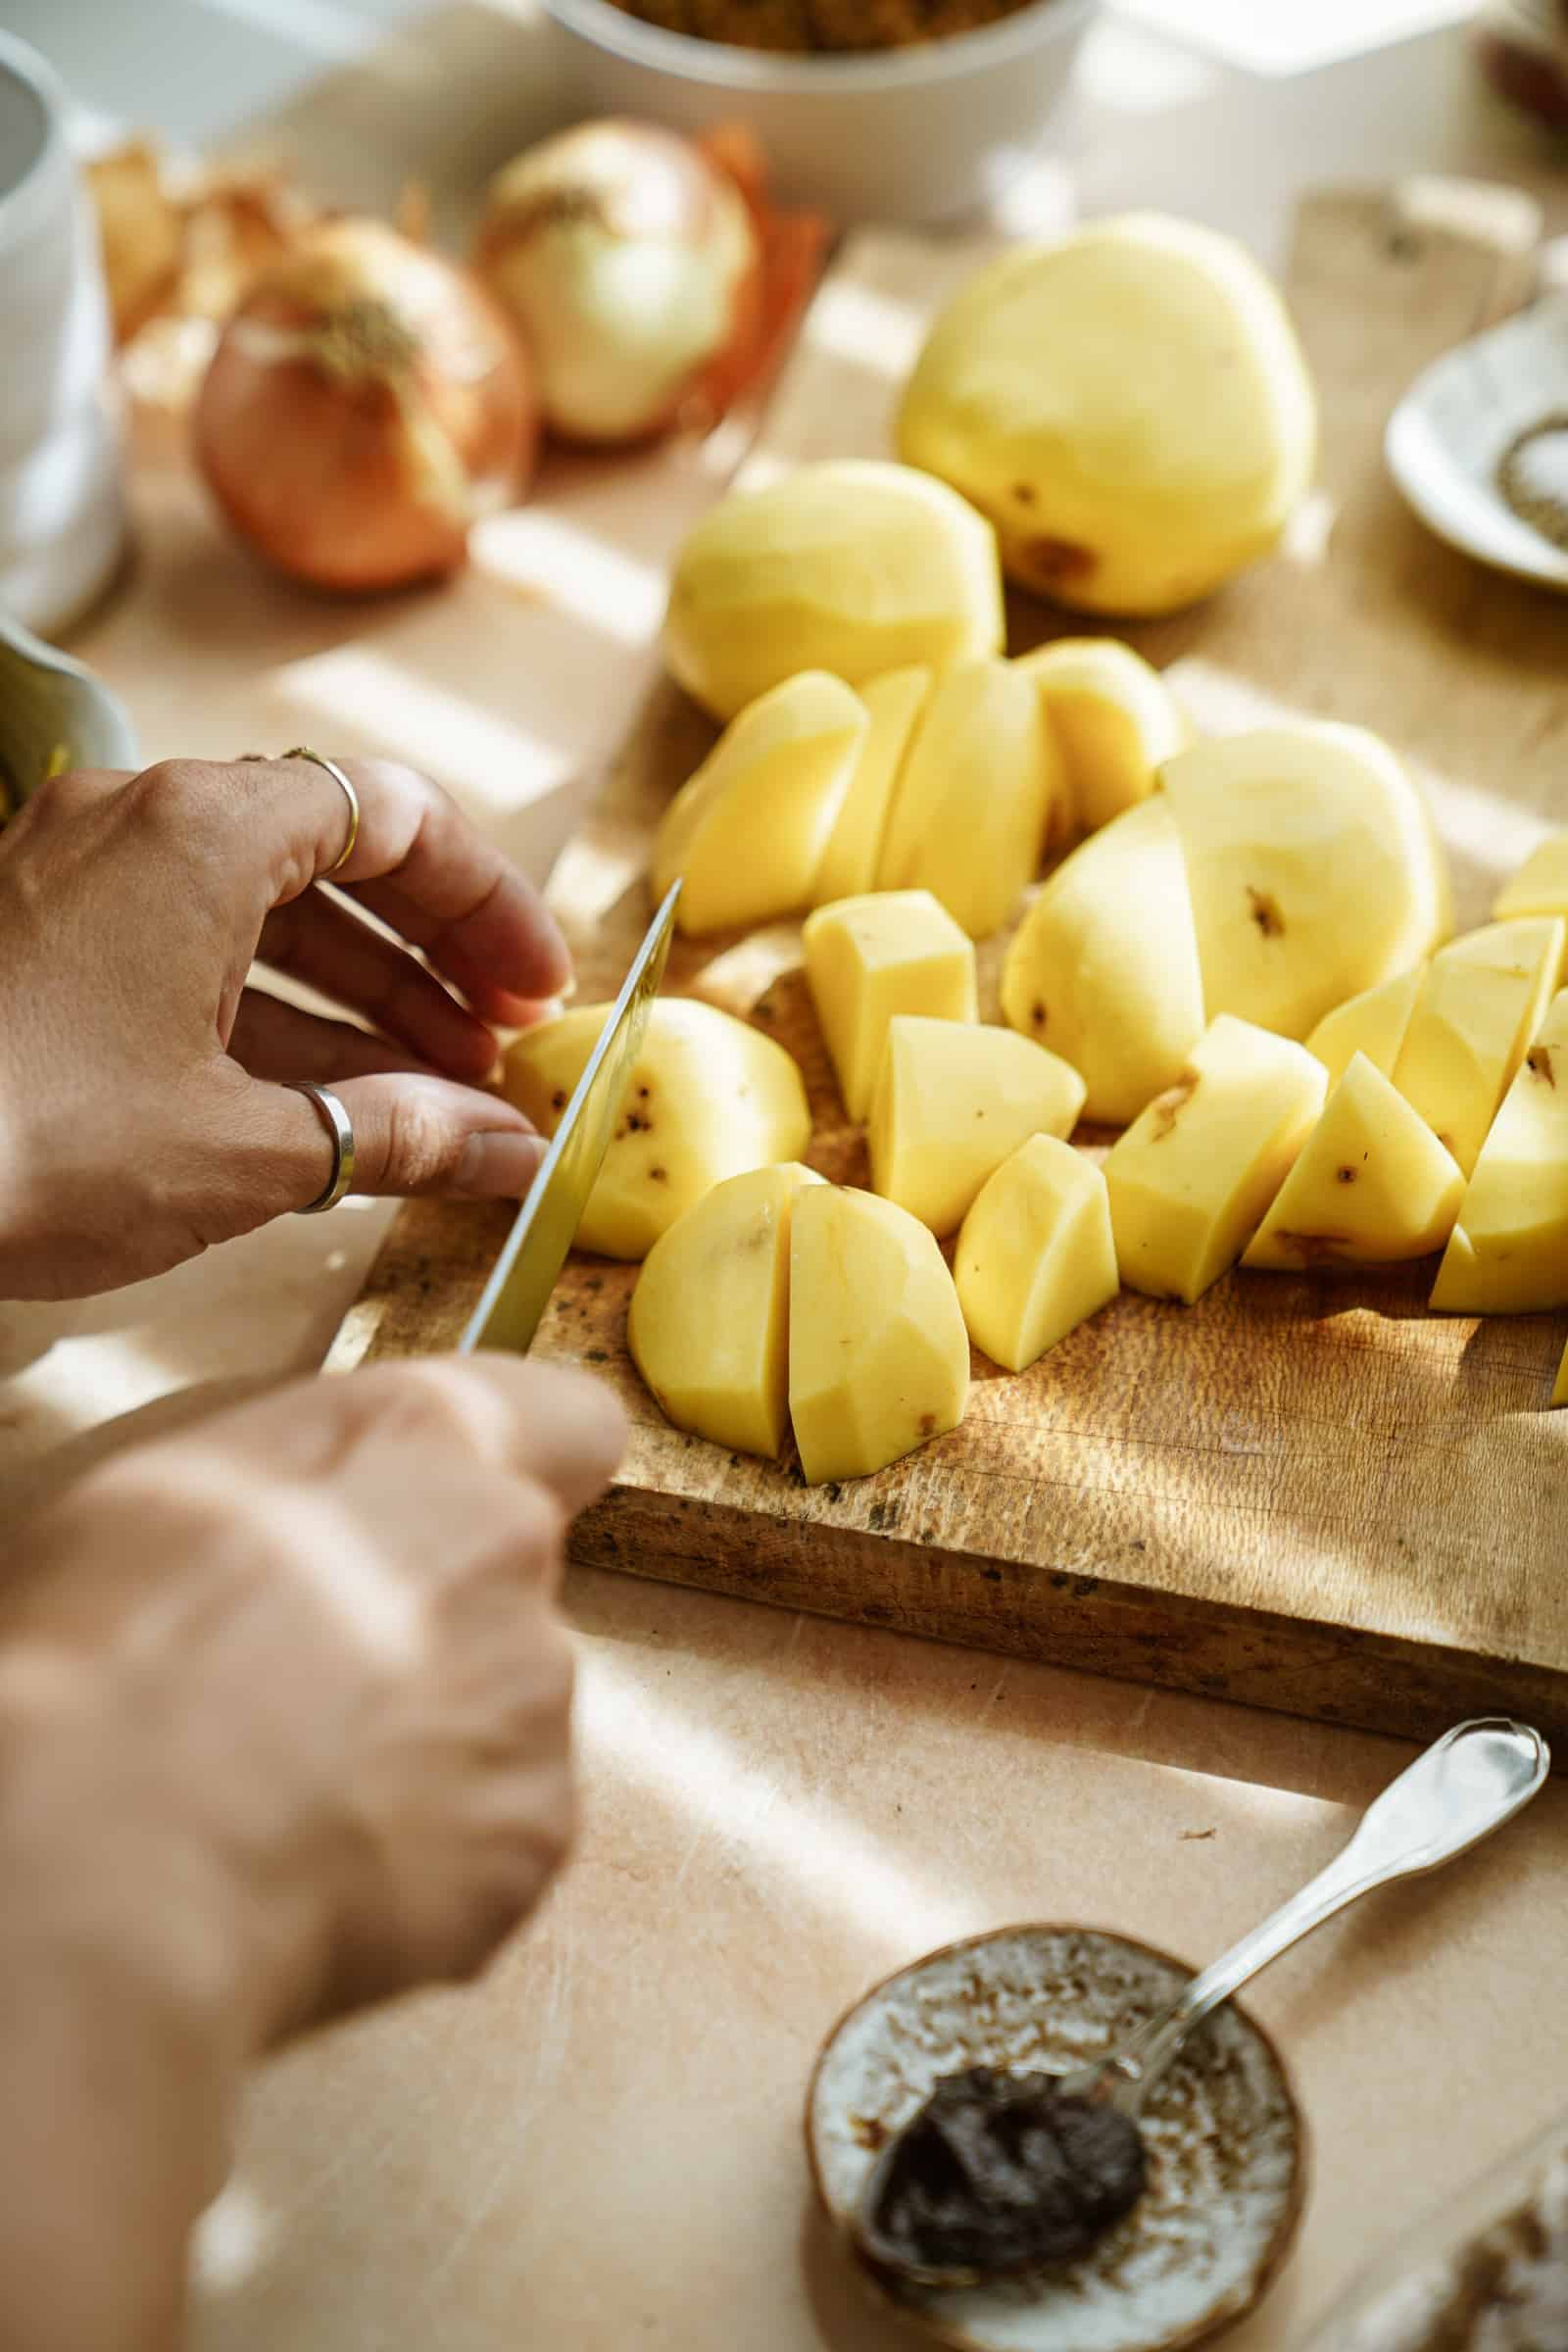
61	514
922	133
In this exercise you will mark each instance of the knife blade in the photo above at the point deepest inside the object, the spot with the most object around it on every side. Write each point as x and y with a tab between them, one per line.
529	1265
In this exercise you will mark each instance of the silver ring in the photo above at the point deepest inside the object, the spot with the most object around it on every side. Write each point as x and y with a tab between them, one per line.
303	751
340	1127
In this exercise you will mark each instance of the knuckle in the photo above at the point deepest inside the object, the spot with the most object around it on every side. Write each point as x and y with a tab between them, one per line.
173	796
72	793
434	1401
421	1148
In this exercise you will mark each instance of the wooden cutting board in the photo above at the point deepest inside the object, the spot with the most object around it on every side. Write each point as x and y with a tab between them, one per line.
1305	1493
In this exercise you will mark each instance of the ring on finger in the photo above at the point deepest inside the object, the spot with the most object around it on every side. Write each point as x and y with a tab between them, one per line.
340	1127
302	751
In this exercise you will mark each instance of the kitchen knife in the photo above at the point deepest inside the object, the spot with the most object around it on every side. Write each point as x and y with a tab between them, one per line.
526	1271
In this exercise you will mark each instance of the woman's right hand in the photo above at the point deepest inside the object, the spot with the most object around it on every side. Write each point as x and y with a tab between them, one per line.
289	1694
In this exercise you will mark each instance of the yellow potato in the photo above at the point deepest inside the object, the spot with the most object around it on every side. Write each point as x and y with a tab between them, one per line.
1193	1175
893	705
879	1357
1560	1387
1313	869
968	820
1372	1022
1036	1257
1509	1254
867	959
1104	967
950	1102
848	565
1372	1185
1541	885
1129	406
709	1321
708	1096
1115	721
1481	1002
747	833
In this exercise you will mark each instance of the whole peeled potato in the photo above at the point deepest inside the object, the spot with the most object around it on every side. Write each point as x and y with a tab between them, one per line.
1130	407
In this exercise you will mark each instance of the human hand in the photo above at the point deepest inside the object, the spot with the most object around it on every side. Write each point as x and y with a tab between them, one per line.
140	1103
283	1729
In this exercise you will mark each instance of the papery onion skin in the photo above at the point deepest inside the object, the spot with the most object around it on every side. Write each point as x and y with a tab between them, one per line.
634	265
367	403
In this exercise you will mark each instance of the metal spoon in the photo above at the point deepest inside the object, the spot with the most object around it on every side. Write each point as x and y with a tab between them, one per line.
1473	1780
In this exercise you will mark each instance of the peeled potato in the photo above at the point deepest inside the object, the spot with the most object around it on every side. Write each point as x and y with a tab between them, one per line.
707	1098
747	833
1192	1178
879	1357
1129	406
1481	1002
1541	885
709	1321
1373	1022
969	817
1372	1185
1104	967
847	565
893	707
1313	868
1036	1257
952	1101
1115	722
1509	1254
867	959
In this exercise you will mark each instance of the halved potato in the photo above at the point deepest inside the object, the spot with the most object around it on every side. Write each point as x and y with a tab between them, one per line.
1480	1004
952	1100
1036	1257
708	1096
867	959
1104	967
747	833
879	1357
1116	720
893	707
709	1321
1192	1177
1313	868
968	820
1373	1022
1509	1254
1372	1185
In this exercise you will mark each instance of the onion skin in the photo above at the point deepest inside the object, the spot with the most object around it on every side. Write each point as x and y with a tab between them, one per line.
367	404
634	265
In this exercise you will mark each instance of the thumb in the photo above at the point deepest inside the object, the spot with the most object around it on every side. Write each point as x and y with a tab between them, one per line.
411	1134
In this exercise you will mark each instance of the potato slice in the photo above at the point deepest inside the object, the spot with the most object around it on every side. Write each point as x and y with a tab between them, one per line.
969	817
708	1096
1372	1186
1481	1002
850	565
950	1102
1372	1022
1509	1254
1192	1178
747	833
867	959
1541	885
1313	868
1104	967
892	706
879	1357
1036	1257
709	1321
1115	721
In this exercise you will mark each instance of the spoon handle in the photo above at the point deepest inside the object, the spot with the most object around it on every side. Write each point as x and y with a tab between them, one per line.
1473	1780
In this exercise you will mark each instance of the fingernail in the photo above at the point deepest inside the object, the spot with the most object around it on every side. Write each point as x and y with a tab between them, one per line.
499	1166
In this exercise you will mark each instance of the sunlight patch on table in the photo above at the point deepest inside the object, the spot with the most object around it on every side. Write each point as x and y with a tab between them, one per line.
552	558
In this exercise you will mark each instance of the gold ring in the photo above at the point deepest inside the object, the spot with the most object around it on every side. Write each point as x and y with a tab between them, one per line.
303	751
340	1127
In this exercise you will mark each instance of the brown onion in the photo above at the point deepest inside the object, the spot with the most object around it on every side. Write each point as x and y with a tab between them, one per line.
634	265
366	405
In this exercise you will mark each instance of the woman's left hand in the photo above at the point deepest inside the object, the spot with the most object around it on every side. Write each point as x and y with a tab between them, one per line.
143	1109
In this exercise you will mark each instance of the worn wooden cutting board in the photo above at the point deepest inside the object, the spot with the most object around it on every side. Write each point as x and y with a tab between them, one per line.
1305	1493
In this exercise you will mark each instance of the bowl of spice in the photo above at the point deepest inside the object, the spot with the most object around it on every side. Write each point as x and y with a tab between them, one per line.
884	110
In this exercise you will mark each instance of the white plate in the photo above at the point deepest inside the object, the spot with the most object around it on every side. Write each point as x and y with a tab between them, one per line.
1446	435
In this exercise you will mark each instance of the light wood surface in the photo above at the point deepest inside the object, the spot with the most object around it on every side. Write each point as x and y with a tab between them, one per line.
1305	1492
